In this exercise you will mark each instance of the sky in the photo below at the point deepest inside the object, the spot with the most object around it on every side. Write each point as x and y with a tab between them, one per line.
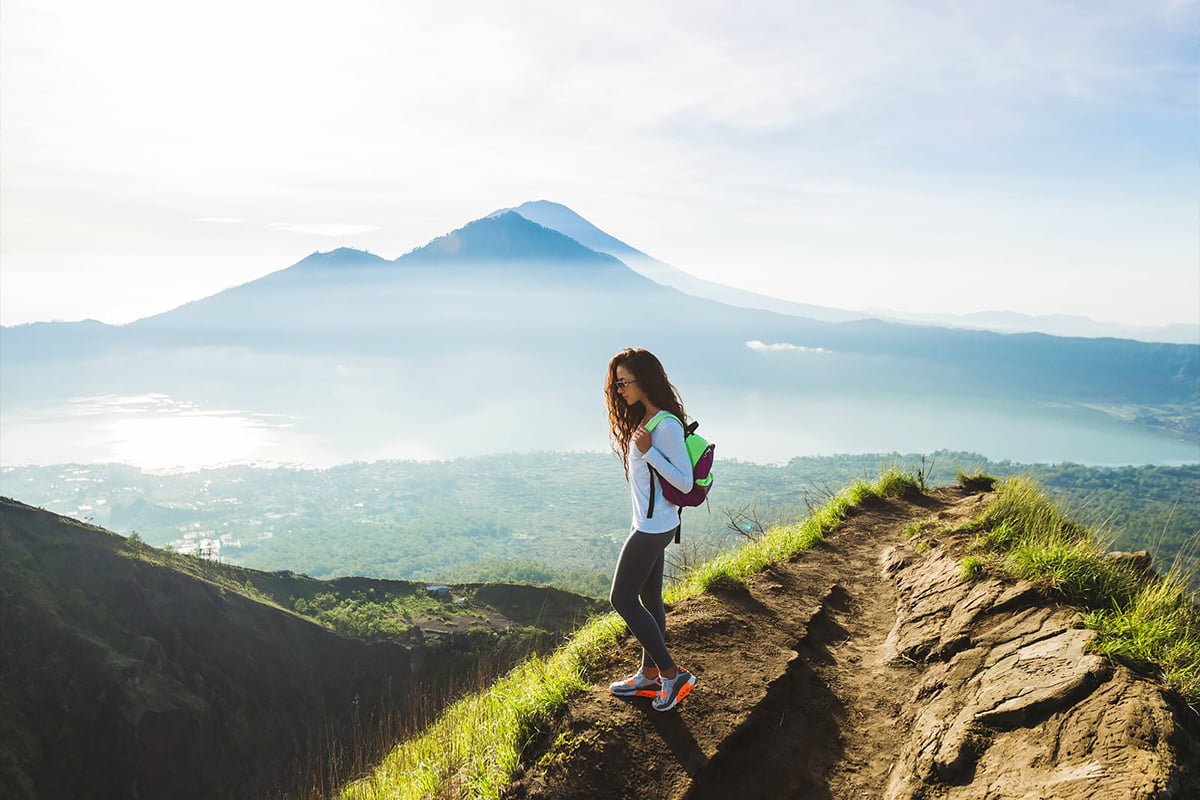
1032	156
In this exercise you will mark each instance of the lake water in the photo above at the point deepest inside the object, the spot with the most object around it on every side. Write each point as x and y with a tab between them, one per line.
157	432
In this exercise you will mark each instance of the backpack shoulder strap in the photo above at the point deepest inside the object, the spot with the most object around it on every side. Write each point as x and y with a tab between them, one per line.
659	417
650	426
650	508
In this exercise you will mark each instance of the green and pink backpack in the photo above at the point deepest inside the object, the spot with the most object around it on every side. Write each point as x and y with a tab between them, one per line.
700	453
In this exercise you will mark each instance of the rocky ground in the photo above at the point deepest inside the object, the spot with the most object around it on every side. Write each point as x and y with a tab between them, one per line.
869	668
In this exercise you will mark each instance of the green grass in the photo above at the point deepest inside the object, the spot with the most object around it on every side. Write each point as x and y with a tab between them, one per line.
781	542
1149	618
918	526
475	745
972	568
474	748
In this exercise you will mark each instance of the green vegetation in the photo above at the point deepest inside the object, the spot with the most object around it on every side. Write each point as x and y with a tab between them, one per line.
548	518
227	576
918	526
1178	417
381	610
581	580
972	568
475	747
362	614
976	481
1143	616
158	624
781	542
1132	508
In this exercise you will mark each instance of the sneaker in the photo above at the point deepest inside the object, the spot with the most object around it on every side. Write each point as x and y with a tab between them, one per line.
674	689
636	685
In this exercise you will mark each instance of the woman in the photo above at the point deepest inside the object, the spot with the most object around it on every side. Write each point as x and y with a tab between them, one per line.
637	391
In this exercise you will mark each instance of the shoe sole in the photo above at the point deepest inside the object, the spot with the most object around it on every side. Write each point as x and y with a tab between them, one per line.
636	693
684	691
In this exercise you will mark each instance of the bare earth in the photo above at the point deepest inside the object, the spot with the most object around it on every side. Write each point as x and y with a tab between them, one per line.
865	669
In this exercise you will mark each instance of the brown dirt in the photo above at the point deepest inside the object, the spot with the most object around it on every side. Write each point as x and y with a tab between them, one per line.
844	674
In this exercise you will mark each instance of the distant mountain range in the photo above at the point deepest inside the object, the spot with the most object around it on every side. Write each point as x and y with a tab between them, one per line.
506	325
1054	324
505	284
562	219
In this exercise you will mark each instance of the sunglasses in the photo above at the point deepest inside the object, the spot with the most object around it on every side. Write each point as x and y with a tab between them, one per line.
622	384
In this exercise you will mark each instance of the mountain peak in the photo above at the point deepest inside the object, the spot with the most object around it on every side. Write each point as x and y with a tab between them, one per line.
506	236
560	218
341	257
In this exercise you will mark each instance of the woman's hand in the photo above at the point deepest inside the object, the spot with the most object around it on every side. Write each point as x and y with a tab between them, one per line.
641	438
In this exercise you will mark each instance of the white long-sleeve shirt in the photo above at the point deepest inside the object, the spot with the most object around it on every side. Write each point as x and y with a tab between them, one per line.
668	455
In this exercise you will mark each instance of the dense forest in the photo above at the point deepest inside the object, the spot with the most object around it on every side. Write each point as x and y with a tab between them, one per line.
554	518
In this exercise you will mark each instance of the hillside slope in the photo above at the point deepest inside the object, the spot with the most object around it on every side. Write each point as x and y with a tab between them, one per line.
868	668
127	672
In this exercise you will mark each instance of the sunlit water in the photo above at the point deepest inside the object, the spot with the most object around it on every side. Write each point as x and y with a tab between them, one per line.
151	431
159	433
770	429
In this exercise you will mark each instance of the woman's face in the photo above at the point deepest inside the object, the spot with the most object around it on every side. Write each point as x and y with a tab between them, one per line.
628	387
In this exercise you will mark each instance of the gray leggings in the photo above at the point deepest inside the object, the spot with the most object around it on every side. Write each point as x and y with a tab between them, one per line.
639	573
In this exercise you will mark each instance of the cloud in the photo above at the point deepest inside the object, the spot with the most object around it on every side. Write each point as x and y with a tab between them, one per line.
755	344
799	136
336	229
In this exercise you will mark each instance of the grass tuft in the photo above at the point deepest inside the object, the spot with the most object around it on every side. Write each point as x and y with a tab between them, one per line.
1142	616
895	482
1161	626
919	526
972	568
975	481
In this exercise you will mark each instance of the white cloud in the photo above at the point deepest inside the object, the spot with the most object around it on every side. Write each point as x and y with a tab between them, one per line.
755	344
336	229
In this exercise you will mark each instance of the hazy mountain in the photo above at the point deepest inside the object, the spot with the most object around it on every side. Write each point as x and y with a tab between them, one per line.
496	335
508	286
494	275
1054	324
566	221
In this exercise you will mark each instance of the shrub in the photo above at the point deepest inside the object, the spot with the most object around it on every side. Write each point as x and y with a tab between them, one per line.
976	481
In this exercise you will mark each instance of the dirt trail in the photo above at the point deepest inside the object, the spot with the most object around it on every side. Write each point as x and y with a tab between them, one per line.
839	693
807	685
784	665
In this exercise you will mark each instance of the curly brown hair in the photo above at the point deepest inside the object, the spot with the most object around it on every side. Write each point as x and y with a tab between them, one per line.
624	419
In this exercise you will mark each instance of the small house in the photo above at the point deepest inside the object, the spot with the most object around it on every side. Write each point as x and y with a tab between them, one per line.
437	591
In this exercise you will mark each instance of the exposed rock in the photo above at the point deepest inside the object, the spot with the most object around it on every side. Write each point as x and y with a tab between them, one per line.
1012	704
1139	561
